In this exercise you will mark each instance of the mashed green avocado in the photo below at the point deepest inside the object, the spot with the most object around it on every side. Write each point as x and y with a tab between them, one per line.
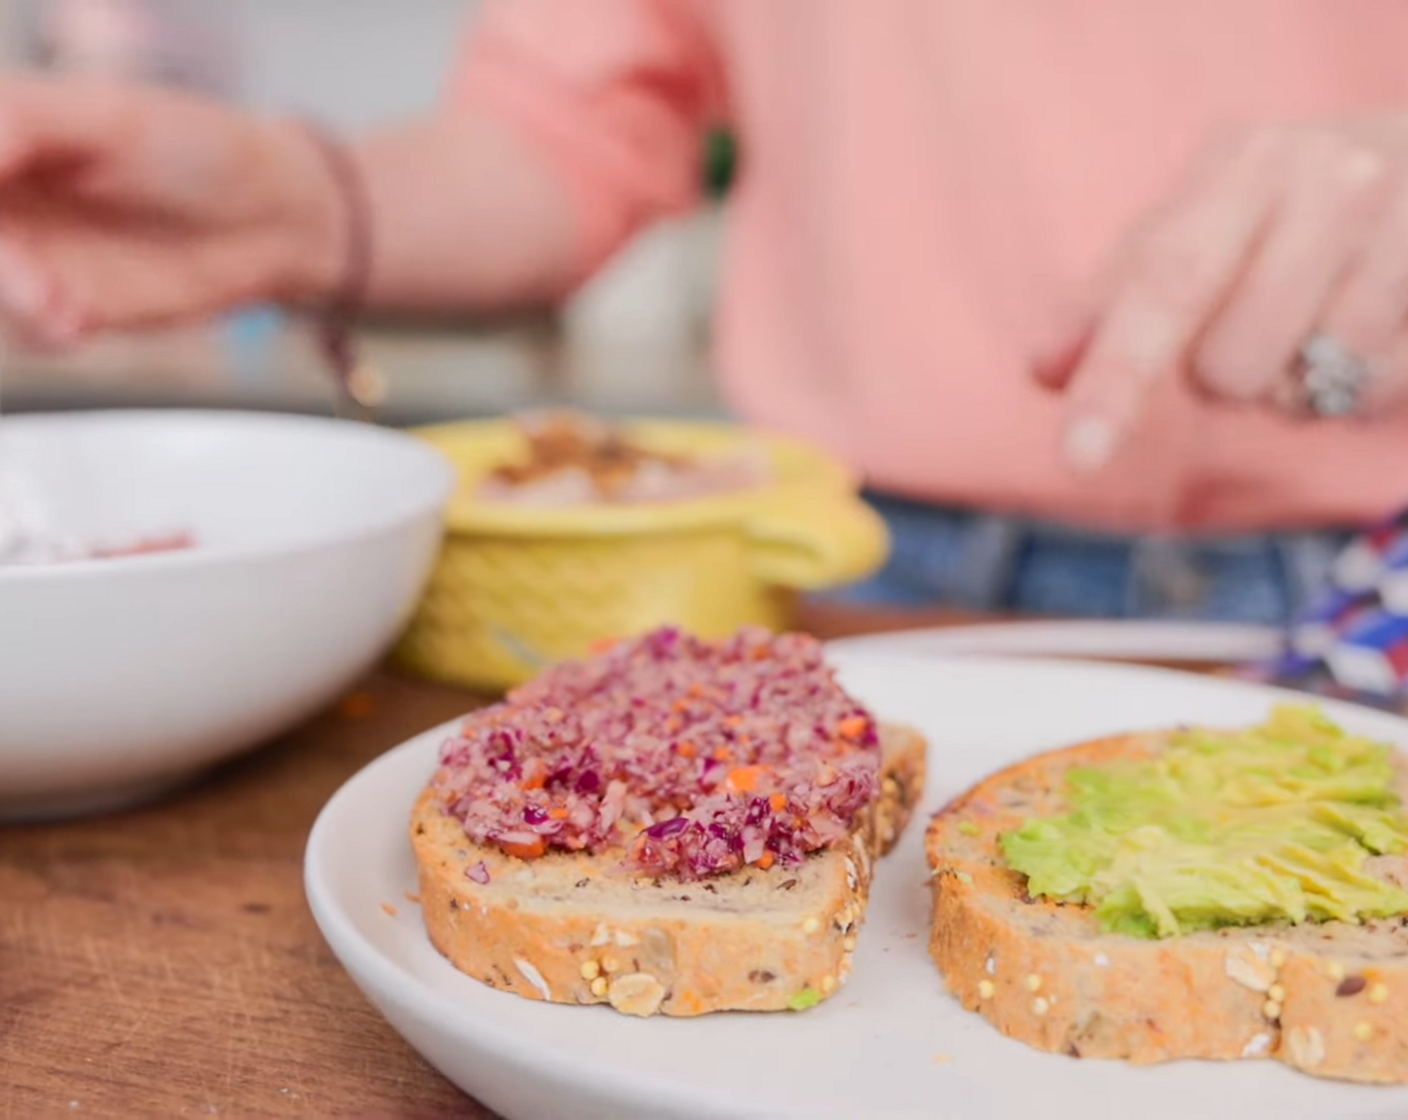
1270	824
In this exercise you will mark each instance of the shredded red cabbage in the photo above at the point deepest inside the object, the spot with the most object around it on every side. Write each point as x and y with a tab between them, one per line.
695	757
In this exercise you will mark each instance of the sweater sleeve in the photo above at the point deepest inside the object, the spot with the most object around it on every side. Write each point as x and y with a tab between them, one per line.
615	95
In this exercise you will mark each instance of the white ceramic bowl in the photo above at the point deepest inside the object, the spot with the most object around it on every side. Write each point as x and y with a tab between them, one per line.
120	678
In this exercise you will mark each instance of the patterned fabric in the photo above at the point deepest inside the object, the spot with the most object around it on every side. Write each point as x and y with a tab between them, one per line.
984	562
1351	639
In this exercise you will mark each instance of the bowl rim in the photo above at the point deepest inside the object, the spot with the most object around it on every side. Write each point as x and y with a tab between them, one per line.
438	492
825	476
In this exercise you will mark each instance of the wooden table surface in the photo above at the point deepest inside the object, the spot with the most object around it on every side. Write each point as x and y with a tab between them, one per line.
163	962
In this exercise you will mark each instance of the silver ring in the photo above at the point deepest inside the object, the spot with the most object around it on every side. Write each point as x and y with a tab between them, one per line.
1332	378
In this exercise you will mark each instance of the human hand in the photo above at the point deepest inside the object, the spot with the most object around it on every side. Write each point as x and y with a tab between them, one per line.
123	206
1280	236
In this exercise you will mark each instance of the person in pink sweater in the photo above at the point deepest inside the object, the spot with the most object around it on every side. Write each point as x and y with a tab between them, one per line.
1107	301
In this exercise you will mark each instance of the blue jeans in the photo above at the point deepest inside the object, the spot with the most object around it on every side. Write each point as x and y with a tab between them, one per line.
944	556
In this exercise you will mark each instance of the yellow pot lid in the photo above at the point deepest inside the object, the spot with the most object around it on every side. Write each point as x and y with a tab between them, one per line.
476	448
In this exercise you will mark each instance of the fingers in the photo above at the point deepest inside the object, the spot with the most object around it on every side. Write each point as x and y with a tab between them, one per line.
1368	311
1176	275
123	207
45	121
25	289
1289	233
37	309
1059	353
1332	203
1388	390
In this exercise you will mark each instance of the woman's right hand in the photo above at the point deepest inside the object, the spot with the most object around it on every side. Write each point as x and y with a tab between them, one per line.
125	207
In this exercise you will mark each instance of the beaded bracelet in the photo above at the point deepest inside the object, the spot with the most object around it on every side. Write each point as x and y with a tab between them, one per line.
358	382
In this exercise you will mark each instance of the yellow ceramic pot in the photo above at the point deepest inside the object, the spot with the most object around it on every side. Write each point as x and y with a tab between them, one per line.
518	588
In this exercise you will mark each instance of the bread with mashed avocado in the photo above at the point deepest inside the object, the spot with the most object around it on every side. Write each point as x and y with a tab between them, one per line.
1129	959
576	928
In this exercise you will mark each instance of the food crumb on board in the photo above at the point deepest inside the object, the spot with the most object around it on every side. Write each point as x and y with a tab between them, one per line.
942	1060
390	910
413	899
357	705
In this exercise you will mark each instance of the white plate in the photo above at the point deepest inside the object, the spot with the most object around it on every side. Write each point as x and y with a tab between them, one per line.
1133	641
892	1043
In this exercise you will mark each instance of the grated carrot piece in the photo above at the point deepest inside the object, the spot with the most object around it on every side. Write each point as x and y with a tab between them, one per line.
531	849
854	727
744	779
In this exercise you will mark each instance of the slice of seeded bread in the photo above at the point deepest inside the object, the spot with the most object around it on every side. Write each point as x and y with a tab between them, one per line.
574	928
1329	999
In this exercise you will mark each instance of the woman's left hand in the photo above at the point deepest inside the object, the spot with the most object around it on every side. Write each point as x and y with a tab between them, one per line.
1282	237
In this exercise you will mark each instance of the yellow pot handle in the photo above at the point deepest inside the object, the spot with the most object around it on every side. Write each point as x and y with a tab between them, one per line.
811	538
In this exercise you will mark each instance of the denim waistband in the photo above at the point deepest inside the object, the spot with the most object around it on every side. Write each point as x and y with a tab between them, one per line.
993	562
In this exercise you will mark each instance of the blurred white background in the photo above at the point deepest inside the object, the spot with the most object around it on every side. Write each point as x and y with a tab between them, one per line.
352	62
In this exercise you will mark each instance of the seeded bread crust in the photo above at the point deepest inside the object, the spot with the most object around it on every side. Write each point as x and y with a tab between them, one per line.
573	928
1329	999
